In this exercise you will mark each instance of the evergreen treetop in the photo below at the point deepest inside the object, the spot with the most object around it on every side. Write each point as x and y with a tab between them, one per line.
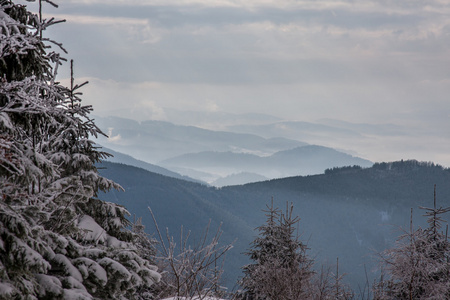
280	269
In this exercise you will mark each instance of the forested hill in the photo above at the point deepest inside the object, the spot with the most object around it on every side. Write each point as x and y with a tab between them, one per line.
170	198
409	182
176	203
347	212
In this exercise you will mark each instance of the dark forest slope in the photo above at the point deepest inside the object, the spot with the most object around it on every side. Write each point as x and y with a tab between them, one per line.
347	212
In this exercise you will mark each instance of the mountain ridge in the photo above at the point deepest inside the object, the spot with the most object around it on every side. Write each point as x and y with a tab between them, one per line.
153	141
118	157
304	160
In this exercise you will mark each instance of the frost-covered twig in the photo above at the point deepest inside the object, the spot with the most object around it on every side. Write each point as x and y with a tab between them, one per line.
191	270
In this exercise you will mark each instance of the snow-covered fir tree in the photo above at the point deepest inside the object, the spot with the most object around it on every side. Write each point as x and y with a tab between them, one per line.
418	267
280	269
57	239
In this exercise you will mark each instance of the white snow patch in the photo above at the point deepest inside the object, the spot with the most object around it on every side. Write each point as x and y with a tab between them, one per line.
94	232
76	294
6	289
115	243
94	253
68	267
155	276
48	285
73	283
114	266
90	267
5	120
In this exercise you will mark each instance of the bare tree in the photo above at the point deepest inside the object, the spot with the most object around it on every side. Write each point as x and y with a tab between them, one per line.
328	285
190	271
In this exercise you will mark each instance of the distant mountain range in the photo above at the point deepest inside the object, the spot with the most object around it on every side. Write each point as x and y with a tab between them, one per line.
349	212
216	120
207	155
305	160
153	141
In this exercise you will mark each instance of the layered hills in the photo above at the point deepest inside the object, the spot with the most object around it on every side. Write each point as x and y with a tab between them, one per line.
211	156
153	141
304	160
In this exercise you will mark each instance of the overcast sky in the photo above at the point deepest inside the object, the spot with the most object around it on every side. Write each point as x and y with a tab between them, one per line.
357	61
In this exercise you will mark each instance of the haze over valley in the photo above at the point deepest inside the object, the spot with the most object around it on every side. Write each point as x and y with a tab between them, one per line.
210	156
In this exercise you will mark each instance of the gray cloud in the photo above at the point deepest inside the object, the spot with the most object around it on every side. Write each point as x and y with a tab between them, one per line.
359	61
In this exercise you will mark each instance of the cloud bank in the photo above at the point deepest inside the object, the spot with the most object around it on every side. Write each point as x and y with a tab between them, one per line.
371	61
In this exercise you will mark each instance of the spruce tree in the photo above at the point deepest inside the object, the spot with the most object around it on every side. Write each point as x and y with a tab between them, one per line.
57	239
280	269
